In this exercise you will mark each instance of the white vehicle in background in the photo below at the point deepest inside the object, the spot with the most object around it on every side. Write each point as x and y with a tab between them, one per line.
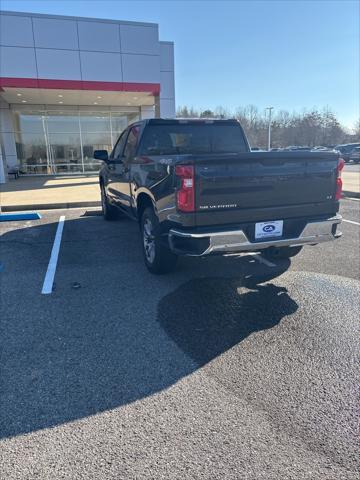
355	155
320	149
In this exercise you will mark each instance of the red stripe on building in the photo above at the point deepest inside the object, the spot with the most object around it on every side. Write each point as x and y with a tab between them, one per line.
60	84
19	82
153	88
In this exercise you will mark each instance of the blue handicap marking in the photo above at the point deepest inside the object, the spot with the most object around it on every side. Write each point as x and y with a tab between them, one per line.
13	217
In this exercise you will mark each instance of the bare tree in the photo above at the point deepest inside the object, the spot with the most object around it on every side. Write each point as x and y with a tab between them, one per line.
356	129
221	112
207	114
187	112
307	128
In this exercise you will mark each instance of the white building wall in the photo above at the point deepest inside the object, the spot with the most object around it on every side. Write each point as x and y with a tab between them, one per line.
57	64
17	62
2	171
95	66
99	37
138	39
36	46
7	136
53	47
16	30
167	80
141	68
147	112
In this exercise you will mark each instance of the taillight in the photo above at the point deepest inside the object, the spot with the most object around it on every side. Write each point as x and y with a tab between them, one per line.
185	195
340	166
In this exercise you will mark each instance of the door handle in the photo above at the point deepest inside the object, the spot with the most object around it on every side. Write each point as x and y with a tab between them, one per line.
122	168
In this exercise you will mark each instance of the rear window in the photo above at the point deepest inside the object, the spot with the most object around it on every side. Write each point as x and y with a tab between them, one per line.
192	139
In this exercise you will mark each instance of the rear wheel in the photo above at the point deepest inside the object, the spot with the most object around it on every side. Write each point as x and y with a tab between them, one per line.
109	211
273	253
158	258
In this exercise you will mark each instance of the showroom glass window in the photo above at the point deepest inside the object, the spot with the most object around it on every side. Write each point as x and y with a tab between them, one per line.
55	141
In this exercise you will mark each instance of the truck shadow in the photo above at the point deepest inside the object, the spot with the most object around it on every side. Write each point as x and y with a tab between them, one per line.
124	334
218	313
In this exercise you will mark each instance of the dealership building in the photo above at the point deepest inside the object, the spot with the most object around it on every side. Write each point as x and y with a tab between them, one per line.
70	85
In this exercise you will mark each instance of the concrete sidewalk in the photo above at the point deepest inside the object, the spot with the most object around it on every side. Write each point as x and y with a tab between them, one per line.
41	193
351	184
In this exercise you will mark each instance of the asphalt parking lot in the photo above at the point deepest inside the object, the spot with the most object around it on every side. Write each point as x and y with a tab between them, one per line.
229	368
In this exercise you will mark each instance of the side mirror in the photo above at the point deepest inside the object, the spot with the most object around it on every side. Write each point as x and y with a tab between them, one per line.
101	155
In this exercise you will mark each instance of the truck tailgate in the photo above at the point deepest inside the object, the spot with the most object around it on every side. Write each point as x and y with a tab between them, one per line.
264	185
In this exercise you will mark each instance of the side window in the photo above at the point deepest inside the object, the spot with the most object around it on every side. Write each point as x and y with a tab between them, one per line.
132	142
119	147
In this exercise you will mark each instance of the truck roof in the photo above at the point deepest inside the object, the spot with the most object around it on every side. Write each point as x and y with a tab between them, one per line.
171	121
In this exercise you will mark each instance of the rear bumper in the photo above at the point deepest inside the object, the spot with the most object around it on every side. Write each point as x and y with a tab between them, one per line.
236	240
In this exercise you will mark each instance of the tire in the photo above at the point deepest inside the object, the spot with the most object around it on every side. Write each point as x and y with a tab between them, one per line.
273	253
109	211
158	258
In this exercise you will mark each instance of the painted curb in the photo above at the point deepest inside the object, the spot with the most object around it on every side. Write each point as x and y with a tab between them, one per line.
49	206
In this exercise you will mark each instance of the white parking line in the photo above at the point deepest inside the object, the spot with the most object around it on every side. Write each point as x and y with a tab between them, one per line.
261	259
50	272
351	221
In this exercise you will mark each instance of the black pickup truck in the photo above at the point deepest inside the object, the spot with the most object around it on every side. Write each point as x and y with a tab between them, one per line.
196	189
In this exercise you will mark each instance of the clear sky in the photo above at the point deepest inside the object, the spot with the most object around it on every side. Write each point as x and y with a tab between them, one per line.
289	54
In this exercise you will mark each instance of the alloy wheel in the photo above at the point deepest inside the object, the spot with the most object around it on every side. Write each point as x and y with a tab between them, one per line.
149	240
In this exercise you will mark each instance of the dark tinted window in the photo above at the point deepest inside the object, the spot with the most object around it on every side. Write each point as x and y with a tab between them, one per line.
202	138
132	142
119	147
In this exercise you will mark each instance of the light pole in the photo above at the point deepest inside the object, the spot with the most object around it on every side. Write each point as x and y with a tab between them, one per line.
269	131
